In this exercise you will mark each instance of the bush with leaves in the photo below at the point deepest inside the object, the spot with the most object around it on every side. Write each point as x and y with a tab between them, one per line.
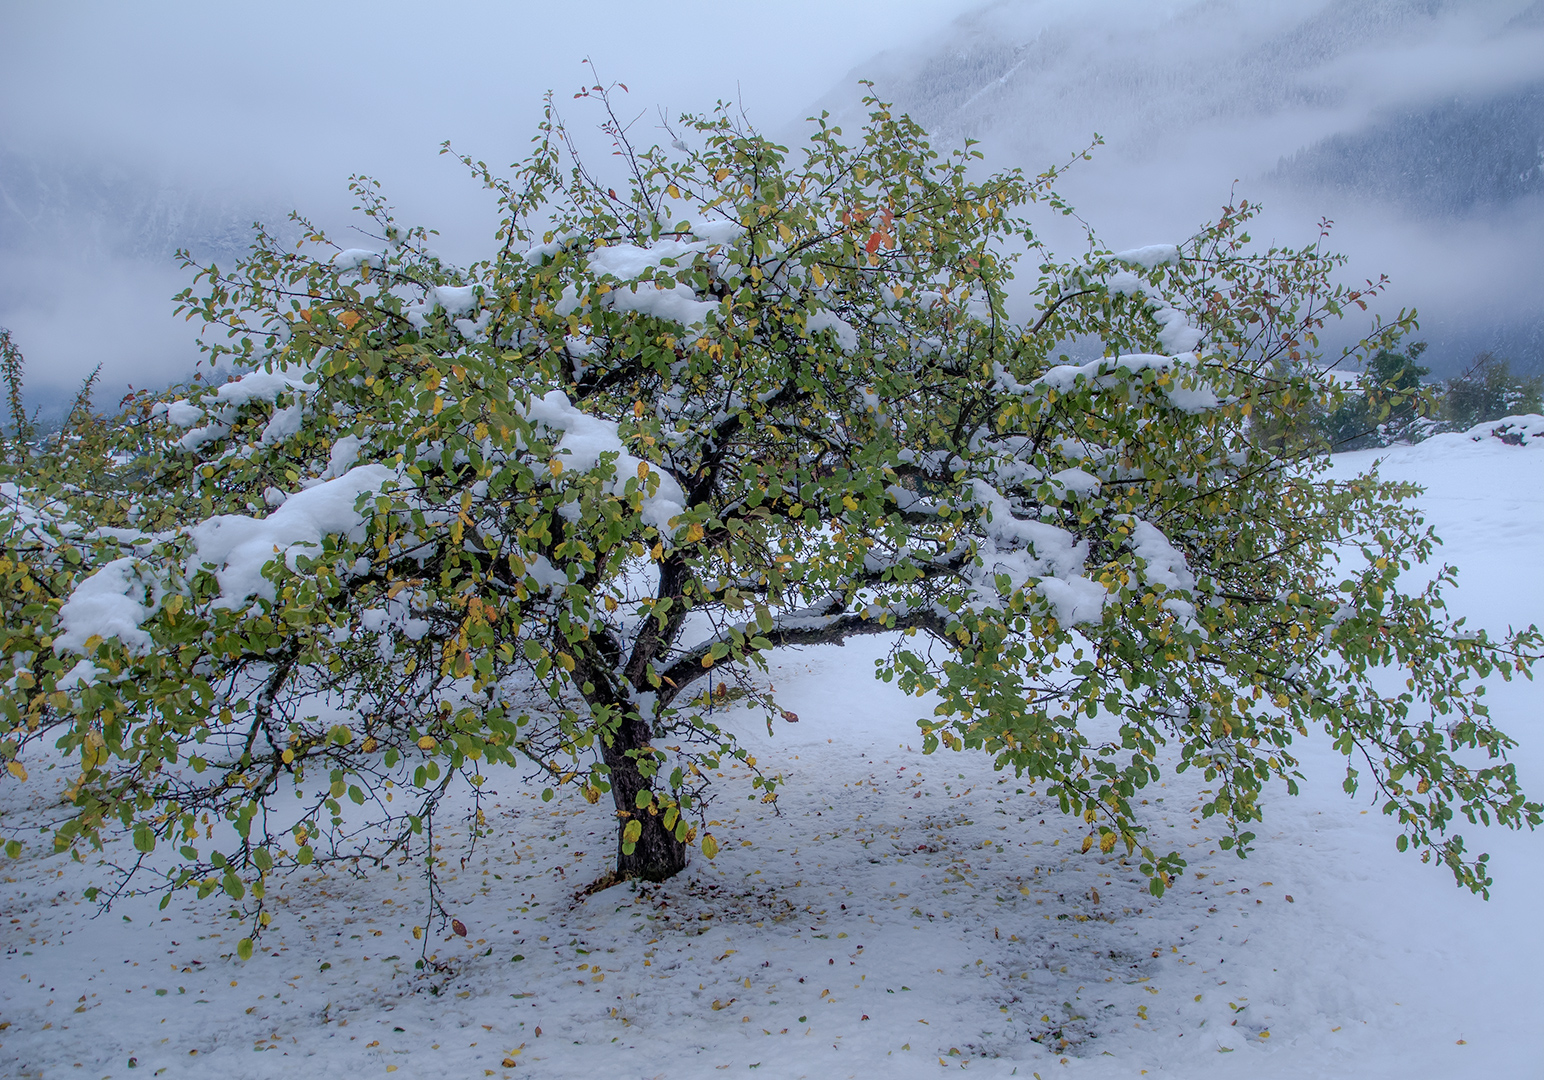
1387	406
454	520
1487	390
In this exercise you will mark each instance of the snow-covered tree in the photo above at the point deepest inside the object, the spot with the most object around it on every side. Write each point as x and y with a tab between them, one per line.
726	399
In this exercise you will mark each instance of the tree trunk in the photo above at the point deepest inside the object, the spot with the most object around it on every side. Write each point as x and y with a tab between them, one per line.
657	854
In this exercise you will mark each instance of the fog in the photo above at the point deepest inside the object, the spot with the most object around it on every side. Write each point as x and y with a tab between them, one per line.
1417	126
129	130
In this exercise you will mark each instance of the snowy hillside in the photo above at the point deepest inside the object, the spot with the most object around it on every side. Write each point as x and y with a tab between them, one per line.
903	913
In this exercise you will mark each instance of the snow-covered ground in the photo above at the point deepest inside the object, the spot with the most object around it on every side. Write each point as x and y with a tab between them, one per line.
904	914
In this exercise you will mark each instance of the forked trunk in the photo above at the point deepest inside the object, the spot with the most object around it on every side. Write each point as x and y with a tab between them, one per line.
656	854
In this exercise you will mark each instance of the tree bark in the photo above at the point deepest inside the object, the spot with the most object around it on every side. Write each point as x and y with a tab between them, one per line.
657	854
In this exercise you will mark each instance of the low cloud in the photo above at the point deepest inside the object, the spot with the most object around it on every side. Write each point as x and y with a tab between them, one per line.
1191	97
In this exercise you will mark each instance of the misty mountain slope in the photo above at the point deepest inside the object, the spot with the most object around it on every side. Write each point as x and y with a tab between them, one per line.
1417	125
1031	73
111	211
88	267
1454	158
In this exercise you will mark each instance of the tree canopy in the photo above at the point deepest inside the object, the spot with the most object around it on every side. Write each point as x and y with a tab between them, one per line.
720	399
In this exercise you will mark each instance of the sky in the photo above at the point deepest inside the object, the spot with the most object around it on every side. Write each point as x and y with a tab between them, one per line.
289	98
274	105
254	109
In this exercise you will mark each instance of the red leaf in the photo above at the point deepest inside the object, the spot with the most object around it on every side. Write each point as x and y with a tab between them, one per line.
459	927
873	242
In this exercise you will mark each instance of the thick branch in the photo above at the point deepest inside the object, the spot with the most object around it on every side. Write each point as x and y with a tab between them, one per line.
833	630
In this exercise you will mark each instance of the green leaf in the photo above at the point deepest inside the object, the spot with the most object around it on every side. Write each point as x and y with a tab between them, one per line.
244	948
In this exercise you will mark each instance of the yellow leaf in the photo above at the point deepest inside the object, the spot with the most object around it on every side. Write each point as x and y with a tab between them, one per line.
1088	841
643	470
427	742
709	845
16	769
820	279
556	466
288	756
675	192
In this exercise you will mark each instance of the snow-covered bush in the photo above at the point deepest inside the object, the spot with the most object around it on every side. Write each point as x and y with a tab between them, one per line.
455	519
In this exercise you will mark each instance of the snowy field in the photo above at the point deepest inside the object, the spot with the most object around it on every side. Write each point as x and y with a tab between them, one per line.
904	915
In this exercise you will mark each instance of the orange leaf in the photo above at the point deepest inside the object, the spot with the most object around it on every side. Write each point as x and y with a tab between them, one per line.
873	242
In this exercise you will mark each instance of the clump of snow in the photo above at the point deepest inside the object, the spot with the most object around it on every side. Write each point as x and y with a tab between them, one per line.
238	547
671	302
846	335
1076	481
1175	334
1149	257
1064	377
585	438
183	414
455	299
227	399
1040	556
1125	283
109	603
629	261
354	258
282	425
344	453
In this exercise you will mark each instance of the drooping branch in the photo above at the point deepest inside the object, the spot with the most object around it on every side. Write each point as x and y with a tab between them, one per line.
806	630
